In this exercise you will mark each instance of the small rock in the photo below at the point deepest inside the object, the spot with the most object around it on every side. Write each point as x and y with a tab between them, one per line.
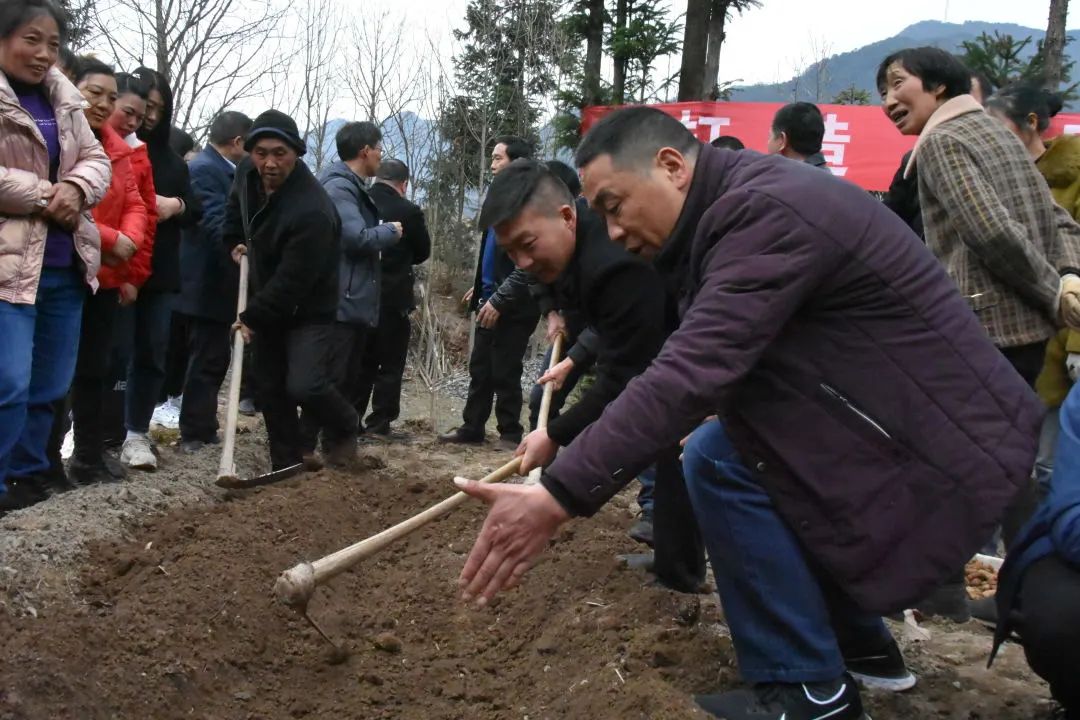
547	646
417	487
242	695
388	642
665	656
371	679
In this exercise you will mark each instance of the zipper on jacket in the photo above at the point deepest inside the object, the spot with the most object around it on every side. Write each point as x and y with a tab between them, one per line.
853	408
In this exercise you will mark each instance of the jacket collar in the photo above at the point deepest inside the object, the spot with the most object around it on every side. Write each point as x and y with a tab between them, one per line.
711	179
115	146
217	158
949	110
63	96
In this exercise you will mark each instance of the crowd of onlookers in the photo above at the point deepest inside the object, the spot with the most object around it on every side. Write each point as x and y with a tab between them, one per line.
117	291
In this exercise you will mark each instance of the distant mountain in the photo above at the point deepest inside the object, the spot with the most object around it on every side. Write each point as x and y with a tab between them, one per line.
859	66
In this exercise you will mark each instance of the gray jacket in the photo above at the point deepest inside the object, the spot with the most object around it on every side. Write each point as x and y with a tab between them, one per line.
363	238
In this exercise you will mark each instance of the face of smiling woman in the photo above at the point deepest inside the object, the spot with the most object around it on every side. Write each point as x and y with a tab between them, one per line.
907	102
27	53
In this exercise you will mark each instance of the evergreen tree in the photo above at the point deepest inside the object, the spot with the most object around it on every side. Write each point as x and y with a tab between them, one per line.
853	95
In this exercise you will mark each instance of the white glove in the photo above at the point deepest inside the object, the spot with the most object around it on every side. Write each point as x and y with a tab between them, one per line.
1072	364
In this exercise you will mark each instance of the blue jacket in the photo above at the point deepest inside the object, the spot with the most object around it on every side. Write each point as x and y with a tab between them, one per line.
1055	529
209	279
363	238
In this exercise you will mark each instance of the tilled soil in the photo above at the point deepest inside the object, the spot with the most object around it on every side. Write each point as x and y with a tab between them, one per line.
174	617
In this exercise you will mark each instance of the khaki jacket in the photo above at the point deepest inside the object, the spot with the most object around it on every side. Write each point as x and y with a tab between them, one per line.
24	176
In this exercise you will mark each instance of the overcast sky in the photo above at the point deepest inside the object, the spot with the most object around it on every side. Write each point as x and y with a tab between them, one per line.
766	43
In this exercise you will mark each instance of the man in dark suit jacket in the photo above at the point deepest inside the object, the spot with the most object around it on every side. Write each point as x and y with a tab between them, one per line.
209	281
388	346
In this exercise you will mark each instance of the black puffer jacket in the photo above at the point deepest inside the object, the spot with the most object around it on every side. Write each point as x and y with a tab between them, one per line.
294	244
171	179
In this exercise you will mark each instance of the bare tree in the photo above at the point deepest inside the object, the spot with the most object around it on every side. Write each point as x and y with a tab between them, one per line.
214	53
820	57
317	75
381	76
1054	45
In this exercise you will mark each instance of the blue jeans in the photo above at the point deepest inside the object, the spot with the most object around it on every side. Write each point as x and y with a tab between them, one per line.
647	478
145	328
38	347
787	620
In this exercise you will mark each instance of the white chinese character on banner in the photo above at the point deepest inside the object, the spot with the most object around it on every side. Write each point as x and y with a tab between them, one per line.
833	144
713	123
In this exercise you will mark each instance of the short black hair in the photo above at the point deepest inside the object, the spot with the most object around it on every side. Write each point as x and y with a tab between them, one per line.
632	137
180	141
1016	102
522	183
516	147
128	84
803	125
728	141
985	83
229	125
934	66
16	13
393	170
567	174
87	65
353	137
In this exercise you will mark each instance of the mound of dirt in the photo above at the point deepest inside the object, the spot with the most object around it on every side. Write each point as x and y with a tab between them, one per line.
176	620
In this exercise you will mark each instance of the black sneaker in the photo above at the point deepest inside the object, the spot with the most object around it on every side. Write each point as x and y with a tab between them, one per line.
21	493
642	530
88	472
835	700
881	669
54	482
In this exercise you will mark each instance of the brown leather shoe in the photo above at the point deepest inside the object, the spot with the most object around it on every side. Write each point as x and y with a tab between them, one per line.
461	436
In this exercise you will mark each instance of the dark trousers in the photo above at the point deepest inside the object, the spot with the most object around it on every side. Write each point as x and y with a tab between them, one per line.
558	398
383	367
678	549
208	353
1050	627
91	372
176	357
143	330
495	377
343	366
291	368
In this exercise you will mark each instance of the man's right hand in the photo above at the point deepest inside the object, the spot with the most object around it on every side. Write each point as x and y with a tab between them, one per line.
124	248
398	231
556	325
557	375
467	297
238	252
244	330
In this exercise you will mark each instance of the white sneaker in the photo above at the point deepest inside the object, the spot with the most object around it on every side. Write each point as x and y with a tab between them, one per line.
67	448
167	414
138	455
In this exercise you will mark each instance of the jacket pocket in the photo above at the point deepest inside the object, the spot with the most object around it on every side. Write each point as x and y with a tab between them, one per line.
857	412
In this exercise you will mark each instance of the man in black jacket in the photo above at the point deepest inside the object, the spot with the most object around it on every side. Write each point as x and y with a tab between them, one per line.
209	281
505	318
280	214
388	346
561	242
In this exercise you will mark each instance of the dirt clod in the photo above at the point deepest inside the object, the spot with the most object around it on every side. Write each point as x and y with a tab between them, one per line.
387	642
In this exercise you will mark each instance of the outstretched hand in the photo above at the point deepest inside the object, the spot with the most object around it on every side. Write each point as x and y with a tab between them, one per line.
521	521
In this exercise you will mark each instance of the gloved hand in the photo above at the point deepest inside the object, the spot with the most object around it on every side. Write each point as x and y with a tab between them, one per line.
1070	301
1072	364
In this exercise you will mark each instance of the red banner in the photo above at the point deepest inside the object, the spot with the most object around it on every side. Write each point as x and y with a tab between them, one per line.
861	144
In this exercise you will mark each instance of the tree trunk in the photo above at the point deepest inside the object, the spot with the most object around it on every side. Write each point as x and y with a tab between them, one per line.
695	42
594	53
1054	45
618	82
717	18
162	49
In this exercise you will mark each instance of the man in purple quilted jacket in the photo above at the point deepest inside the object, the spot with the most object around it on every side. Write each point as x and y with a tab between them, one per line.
870	435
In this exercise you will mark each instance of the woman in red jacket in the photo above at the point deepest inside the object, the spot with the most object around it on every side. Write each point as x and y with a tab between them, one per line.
121	218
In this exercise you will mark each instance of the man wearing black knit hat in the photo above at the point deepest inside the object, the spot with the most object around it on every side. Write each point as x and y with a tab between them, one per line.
280	215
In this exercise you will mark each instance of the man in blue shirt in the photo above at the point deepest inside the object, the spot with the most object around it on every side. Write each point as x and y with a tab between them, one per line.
505	318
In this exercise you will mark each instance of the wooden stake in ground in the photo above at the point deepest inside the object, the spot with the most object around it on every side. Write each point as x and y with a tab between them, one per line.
545	402
227	468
